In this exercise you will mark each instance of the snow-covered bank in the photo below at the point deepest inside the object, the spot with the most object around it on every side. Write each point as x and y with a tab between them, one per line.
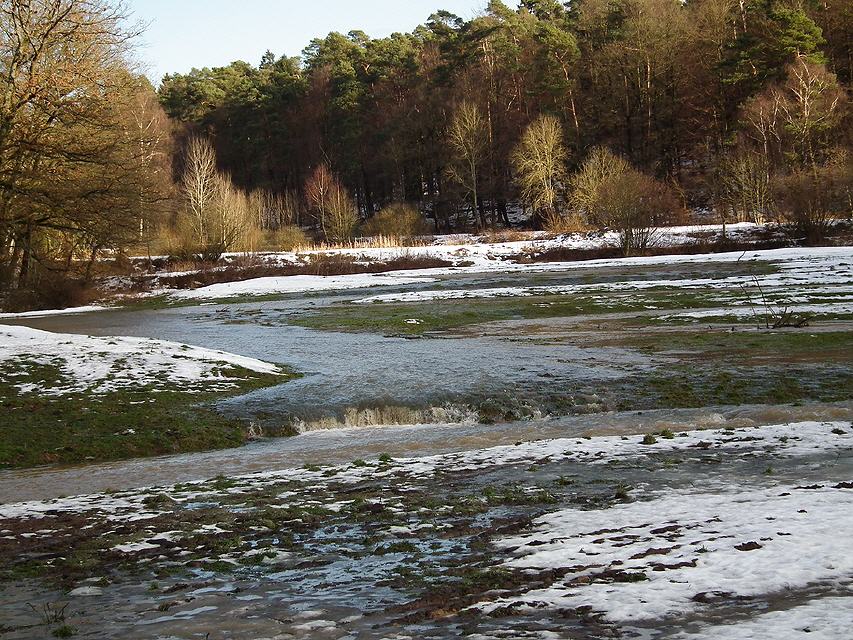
798	267
297	284
801	275
53	312
466	254
677	554
103	364
789	440
482	251
692	547
826	618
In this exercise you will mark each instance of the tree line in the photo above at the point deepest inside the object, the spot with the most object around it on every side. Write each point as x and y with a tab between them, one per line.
619	113
718	100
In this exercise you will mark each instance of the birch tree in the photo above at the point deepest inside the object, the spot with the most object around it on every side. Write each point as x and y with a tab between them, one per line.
468	136
539	161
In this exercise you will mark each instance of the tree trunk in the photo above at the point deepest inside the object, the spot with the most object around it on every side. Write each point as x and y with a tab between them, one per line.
26	256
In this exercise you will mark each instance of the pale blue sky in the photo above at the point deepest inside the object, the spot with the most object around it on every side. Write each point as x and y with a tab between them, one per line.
204	33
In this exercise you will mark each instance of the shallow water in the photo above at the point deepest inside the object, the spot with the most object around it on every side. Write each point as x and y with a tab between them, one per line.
340	446
334	584
364	370
368	379
320	583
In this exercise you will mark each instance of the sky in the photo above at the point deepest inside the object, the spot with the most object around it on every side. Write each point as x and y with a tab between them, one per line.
183	34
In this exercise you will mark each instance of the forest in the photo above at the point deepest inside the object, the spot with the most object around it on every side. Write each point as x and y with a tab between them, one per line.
584	114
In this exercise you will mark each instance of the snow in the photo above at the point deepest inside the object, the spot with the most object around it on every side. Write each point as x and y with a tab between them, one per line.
54	312
813	281
297	284
135	547
103	364
795	528
798	268
85	592
770	539
836	308
477	249
794	439
800	562
824	619
467	253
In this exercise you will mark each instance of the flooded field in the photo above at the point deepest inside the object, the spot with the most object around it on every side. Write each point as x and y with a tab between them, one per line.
455	544
650	448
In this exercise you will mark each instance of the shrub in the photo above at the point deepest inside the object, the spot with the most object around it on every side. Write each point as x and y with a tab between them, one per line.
600	165
635	204
51	291
558	223
289	238
397	220
331	205
180	241
744	186
507	235
810	198
251	239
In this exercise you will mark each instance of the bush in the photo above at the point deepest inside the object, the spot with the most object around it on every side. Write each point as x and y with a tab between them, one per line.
289	238
558	223
397	220
51	291
635	204
600	165
811	198
507	235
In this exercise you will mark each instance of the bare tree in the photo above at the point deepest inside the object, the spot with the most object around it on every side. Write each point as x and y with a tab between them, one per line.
333	207
276	210
636	205
150	132
812	106
200	186
468	138
794	127
219	214
342	215
745	187
318	191
539	161
233	218
600	165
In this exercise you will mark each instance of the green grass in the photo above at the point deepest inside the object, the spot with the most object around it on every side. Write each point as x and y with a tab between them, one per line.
683	386
721	344
444	315
82	427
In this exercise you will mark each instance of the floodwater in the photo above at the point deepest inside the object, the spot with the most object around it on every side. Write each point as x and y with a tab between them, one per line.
360	370
376	382
333	583
340	446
